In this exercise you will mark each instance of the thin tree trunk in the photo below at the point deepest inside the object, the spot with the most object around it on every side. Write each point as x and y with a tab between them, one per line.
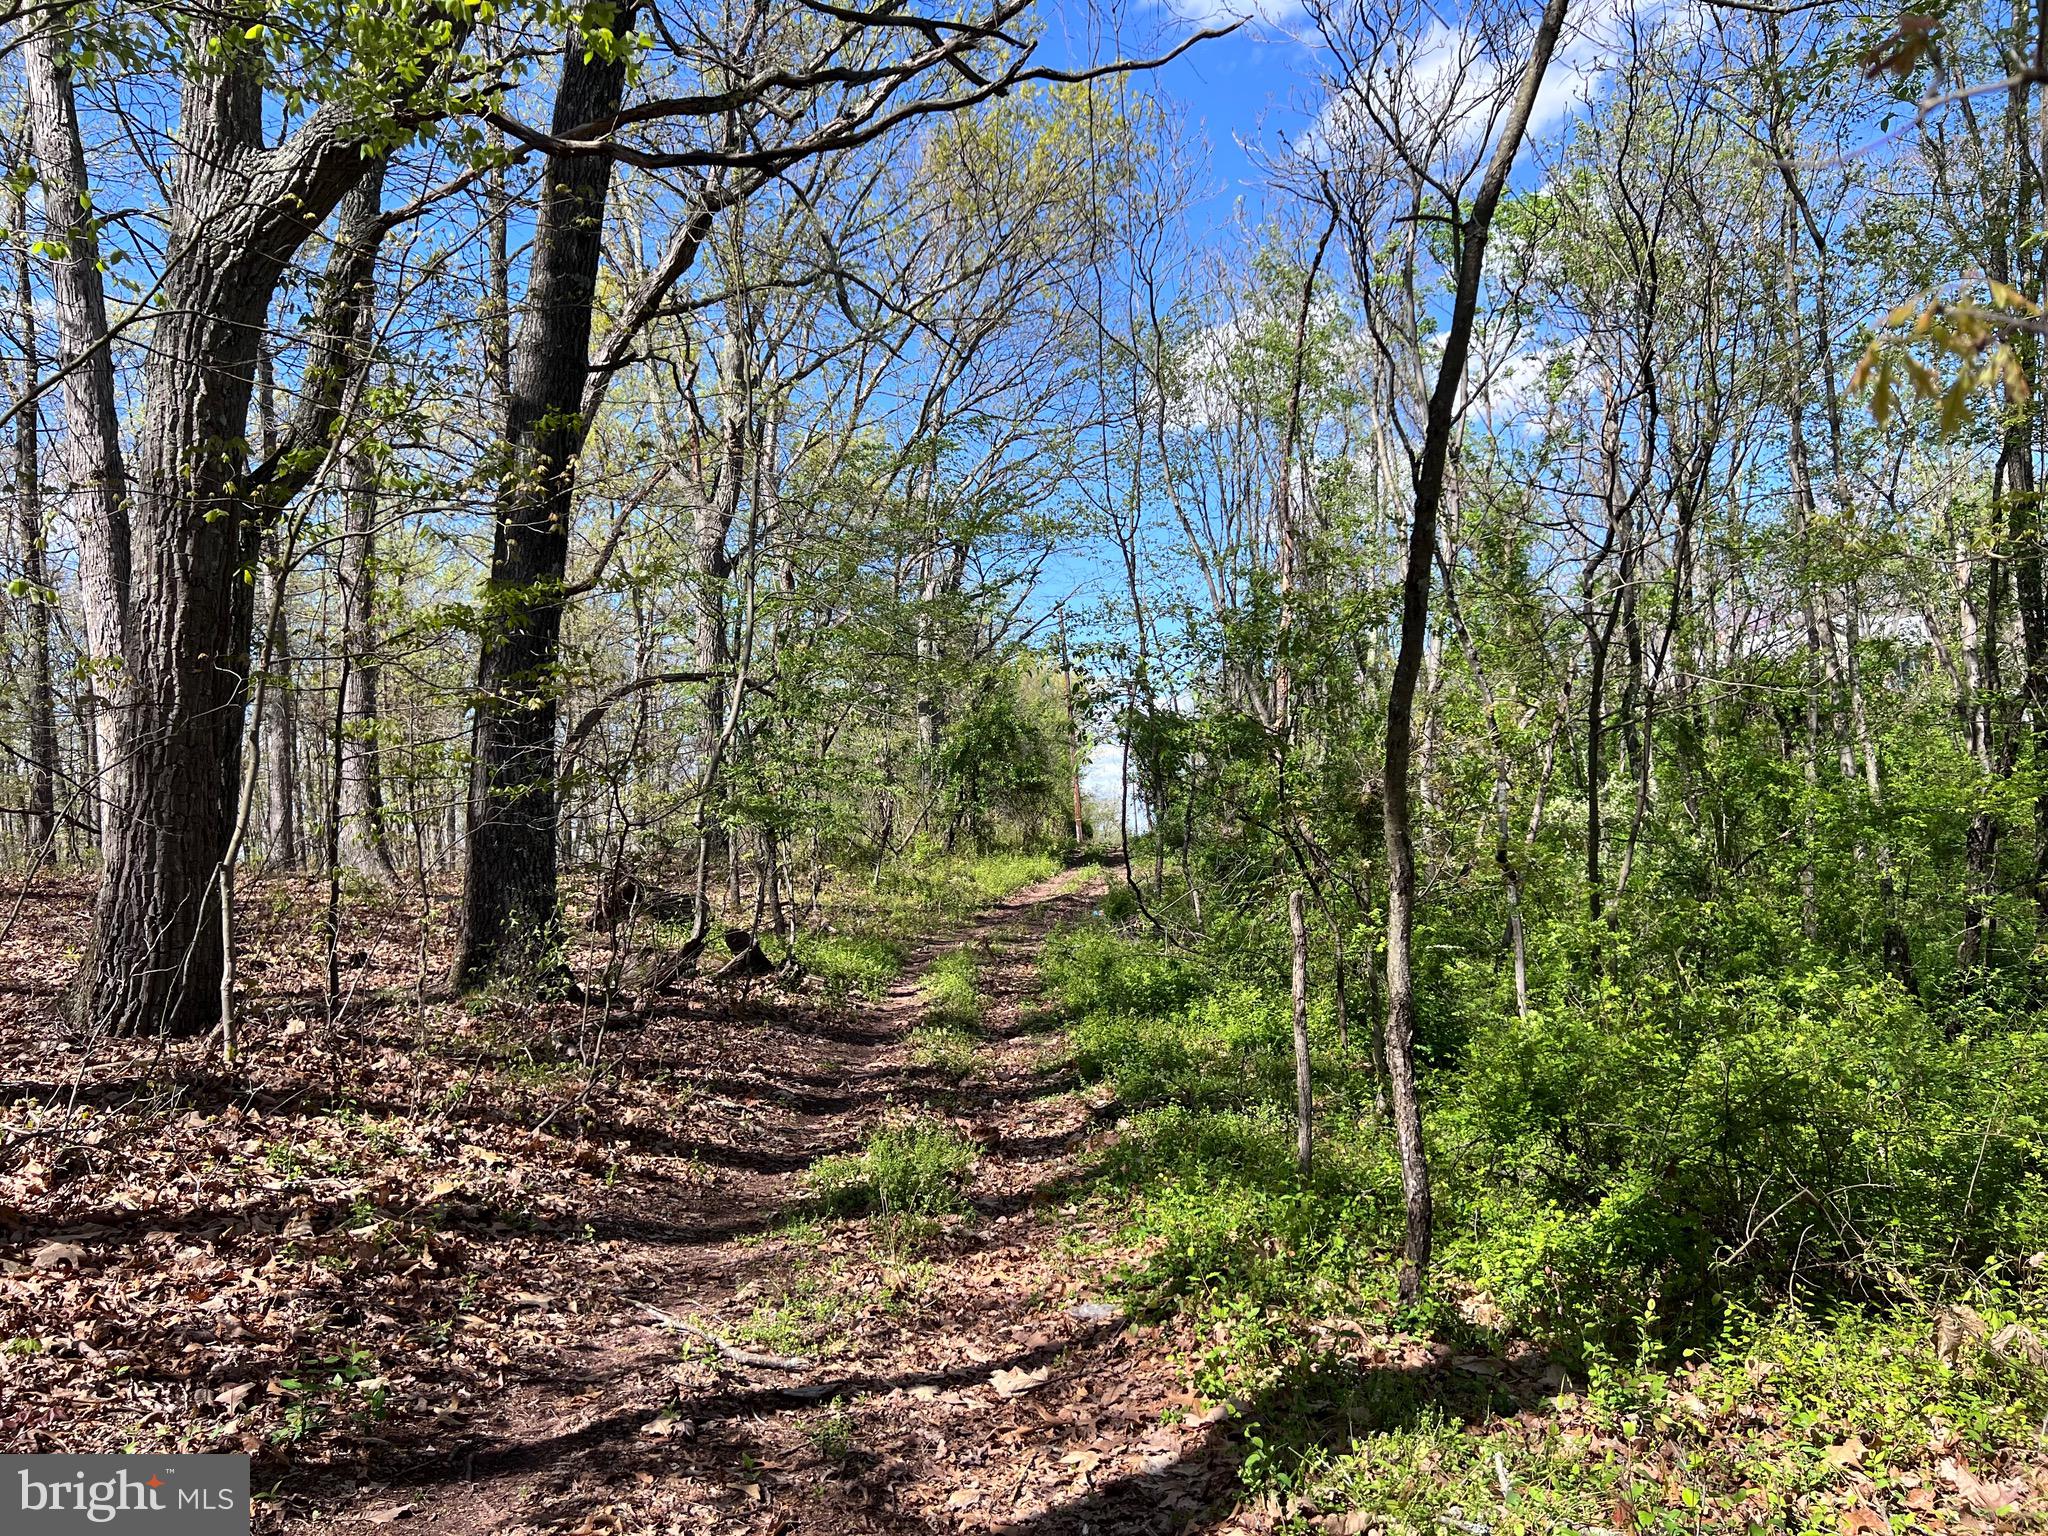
92	467
1602	640
330	924
245	802
1503	795
1440	425
1304	1082
717	507
280	748
364	849
41	698
1074	740
1809	767
280	713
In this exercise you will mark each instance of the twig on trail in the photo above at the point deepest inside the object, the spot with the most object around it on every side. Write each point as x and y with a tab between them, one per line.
730	1352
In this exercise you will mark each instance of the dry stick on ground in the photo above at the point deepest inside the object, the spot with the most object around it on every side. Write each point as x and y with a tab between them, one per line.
729	1352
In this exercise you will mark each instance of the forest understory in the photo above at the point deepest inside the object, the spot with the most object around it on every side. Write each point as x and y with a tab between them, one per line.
752	1260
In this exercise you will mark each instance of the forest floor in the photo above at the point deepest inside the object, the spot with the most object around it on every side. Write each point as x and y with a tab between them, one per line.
480	1268
490	1265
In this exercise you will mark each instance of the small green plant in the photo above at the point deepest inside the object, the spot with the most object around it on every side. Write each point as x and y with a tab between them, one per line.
917	1169
949	1052
541	1072
952	997
314	1390
832	1433
306	1160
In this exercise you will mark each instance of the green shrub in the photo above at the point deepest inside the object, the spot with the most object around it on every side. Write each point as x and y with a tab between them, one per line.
1616	1175
917	1169
1119	903
851	964
1614	1182
1089	972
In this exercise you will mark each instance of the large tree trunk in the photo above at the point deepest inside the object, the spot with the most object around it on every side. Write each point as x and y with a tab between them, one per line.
92	467
240	213
509	921
1439	427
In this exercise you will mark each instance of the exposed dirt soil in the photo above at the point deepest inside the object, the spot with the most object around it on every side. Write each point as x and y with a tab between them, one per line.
505	1268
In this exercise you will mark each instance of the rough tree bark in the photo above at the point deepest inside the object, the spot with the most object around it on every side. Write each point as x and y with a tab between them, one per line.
239	214
509	921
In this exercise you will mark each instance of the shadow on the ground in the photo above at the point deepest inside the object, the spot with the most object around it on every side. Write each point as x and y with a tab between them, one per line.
619	1431
1324	1403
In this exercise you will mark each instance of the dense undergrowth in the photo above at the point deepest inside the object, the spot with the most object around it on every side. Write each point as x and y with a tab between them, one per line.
1764	1189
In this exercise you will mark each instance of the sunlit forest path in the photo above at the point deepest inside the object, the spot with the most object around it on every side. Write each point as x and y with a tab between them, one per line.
731	1363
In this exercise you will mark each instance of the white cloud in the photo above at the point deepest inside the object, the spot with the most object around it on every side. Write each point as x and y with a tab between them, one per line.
1451	75
1218	13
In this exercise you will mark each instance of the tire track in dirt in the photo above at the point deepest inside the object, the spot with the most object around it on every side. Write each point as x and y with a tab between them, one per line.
965	1378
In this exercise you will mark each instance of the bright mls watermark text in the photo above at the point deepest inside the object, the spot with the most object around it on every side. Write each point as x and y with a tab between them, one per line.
161	1495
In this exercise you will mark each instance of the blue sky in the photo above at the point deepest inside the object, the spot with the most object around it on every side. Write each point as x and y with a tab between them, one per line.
1247	88
1239	91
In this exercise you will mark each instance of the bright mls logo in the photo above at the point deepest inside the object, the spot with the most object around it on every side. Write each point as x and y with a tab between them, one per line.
161	1495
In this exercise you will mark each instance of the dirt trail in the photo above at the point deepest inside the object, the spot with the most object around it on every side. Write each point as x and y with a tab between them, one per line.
968	1378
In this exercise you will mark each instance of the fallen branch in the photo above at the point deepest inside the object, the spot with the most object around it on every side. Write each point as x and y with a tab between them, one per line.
729	1352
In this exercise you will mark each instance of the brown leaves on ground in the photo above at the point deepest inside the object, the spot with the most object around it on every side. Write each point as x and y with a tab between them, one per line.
459	1267
407	1263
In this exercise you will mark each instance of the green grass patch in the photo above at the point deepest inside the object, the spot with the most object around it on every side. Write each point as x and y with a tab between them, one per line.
1791	1423
944	1042
916	1169
952	995
913	897
851	965
949	1052
806	1314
